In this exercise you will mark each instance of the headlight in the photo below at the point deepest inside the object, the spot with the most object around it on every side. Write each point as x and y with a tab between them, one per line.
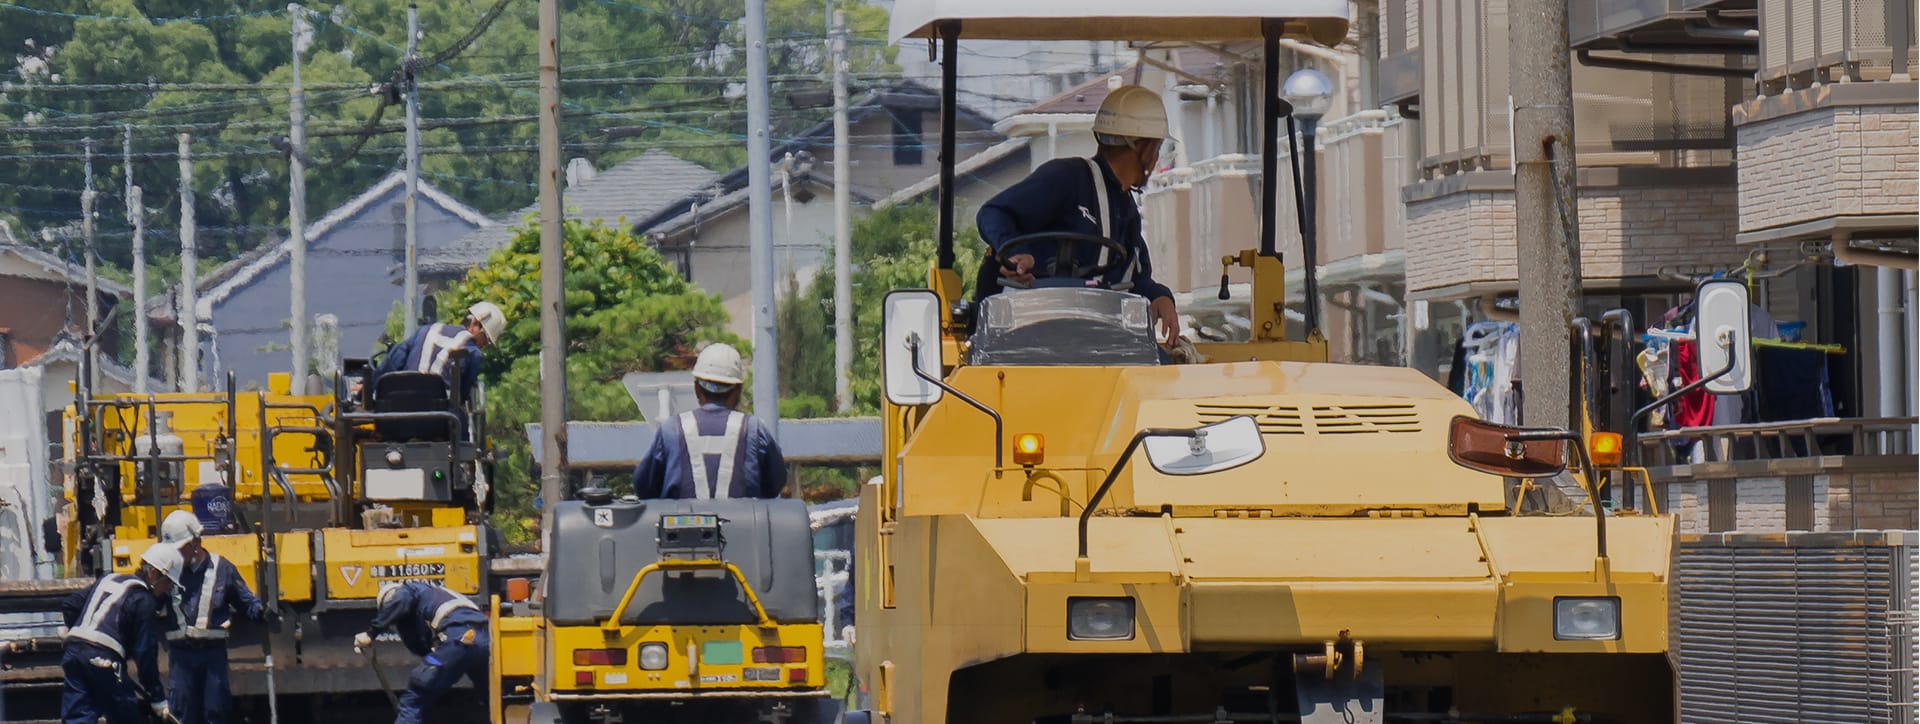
1099	619
1586	619
653	657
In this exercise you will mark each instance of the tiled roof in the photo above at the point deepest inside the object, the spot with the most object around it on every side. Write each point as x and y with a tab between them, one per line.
634	190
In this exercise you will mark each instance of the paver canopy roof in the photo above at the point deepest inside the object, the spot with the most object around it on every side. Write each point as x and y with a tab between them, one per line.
1322	21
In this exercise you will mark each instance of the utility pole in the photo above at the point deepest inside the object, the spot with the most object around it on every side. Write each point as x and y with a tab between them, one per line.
137	213
1544	173
93	274
189	273
553	309
413	168
297	207
842	226
766	349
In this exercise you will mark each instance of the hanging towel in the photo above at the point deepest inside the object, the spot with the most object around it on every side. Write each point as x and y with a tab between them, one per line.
1695	408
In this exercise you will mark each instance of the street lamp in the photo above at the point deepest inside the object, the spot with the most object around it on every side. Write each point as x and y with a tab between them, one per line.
1311	94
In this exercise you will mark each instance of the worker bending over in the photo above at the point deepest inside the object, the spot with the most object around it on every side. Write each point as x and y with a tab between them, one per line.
441	626
1092	196
715	451
212	593
113	621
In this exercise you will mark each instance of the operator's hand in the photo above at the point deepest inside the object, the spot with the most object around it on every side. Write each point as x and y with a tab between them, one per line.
161	710
1018	267
362	640
1169	319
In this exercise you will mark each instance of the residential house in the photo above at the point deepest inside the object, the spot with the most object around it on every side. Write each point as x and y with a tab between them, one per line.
43	319
632	190
244	305
894	135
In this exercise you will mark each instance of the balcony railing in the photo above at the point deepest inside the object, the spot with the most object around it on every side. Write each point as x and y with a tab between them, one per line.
1793	447
1813	40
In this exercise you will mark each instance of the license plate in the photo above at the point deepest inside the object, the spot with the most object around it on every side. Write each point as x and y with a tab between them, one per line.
719	679
762	674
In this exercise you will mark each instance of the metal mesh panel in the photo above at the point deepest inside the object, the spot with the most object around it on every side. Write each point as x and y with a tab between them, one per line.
1413	24
1821	631
1775	46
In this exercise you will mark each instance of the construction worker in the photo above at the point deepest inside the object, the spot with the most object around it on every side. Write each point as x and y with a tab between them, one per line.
1092	196
109	623
715	451
432	348
441	626
211	593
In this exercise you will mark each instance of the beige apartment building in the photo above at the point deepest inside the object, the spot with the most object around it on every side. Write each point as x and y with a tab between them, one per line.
1768	140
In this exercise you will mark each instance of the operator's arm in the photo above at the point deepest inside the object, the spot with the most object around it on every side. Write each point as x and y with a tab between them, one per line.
240	598
396	359
773	466
1028	206
1143	283
470	373
397	605
140	622
650	476
75	604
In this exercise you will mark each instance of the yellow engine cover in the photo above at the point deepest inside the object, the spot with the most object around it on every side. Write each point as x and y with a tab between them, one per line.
357	561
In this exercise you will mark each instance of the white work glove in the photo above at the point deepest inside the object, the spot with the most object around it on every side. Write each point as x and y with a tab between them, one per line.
846	634
161	710
361	640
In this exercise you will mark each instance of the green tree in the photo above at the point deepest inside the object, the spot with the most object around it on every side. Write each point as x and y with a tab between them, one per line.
627	311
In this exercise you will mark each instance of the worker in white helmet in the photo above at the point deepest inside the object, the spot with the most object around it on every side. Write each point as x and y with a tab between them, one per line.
1090	196
440	348
212	593
110	623
715	451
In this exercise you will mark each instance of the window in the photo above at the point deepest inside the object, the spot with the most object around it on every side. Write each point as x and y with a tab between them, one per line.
908	147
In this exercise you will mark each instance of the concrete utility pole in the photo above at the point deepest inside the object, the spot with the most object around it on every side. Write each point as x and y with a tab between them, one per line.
1545	213
86	233
413	169
766	350
189	276
297	207
137	213
553	309
842	225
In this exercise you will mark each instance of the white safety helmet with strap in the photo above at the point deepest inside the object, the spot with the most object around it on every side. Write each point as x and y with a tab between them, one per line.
491	319
387	589
179	528
165	558
719	364
1131	112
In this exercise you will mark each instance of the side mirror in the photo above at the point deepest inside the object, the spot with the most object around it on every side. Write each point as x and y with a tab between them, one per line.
1491	448
1722	326
1220	446
910	338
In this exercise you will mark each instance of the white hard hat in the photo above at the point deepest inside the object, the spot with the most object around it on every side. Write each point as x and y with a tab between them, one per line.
719	363
386	591
1131	111
180	526
491	319
165	558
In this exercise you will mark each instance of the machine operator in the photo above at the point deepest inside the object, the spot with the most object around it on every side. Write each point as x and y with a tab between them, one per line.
112	622
432	348
445	629
212	593
715	451
1091	196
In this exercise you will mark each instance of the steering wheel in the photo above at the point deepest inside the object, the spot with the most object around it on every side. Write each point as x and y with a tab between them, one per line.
1064	257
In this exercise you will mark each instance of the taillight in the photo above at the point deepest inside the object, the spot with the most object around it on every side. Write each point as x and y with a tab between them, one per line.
599	657
796	676
780	655
583	678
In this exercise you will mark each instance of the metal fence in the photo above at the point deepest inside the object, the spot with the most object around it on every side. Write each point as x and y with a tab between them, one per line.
1800	627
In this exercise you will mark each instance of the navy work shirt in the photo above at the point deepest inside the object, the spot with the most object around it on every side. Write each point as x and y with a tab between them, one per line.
1060	196
406	356
230	596
410	612
135	624
666	471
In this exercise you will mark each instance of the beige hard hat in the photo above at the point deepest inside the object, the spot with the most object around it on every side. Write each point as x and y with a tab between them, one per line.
491	319
179	527
719	363
1131	111
165	558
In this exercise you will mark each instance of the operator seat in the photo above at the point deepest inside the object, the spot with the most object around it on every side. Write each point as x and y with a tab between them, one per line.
412	392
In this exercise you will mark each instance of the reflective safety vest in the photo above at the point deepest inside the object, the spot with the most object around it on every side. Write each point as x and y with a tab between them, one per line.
100	621
719	484
439	346
453	603
199	626
1106	227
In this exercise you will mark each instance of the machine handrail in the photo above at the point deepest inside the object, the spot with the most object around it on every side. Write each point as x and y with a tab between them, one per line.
620	612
